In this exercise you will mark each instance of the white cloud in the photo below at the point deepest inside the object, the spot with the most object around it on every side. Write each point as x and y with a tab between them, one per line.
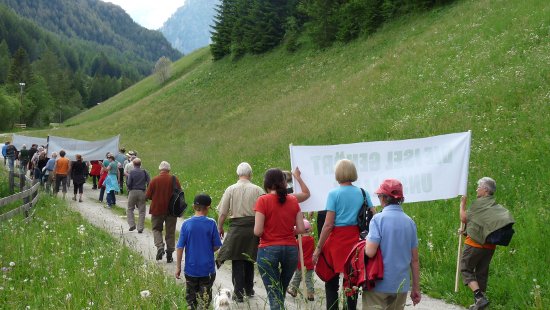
149	13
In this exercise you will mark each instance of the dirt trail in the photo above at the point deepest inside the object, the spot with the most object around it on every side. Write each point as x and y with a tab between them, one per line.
117	226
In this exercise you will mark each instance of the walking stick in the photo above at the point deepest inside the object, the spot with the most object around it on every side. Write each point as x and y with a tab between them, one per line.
458	256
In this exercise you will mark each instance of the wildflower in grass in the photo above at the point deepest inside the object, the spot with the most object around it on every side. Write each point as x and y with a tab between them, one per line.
68	297
12	264
430	246
145	294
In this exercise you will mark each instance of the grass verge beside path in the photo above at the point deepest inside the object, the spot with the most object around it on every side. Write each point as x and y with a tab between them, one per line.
58	260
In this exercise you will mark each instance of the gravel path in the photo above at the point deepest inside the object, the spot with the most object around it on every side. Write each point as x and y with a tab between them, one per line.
117	226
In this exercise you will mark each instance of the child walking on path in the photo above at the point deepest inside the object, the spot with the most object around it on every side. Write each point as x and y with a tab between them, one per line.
200	238
308	245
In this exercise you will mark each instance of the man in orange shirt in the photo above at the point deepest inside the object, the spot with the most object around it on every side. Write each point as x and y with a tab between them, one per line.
61	169
159	192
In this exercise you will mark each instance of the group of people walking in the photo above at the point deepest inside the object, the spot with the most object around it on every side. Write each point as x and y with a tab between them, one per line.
265	223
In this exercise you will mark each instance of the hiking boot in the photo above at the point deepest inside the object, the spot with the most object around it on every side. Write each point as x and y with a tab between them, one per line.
140	231
132	228
292	291
237	298
160	253
250	293
169	257
480	302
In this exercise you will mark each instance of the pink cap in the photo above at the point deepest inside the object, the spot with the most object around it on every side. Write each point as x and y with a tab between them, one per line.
391	187
307	225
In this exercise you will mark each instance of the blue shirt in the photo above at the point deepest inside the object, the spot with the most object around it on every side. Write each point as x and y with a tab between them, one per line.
395	233
4	148
346	201
50	164
198	236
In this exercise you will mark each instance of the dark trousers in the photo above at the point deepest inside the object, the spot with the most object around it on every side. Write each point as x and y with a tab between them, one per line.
474	265
121	180
331	291
78	188
199	291
321	215
95	179
243	278
101	193
111	198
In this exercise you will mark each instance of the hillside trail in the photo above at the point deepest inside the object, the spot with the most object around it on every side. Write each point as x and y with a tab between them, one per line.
109	220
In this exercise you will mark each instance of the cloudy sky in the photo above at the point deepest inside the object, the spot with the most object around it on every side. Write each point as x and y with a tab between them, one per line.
149	13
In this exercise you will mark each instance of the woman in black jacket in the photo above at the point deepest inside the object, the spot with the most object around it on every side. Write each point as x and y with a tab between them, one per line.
79	172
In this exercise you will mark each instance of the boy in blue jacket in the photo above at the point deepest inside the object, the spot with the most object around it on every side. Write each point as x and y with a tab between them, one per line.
200	238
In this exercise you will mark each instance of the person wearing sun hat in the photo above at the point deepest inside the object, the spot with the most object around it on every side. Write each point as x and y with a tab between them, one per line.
395	233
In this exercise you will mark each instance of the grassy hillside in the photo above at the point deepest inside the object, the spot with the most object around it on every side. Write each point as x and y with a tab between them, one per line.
476	65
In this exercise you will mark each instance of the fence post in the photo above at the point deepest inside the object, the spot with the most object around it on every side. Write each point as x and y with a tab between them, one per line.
22	181
12	181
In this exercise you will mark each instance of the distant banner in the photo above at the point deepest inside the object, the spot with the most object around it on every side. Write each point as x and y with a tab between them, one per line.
90	150
430	168
19	141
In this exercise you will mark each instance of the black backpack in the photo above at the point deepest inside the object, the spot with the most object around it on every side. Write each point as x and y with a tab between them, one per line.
363	217
177	204
501	236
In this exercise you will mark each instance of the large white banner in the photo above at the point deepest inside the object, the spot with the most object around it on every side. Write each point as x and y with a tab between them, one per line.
430	168
19	140
90	150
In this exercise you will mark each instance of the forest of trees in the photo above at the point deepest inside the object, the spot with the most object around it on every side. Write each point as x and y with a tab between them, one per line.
256	26
67	61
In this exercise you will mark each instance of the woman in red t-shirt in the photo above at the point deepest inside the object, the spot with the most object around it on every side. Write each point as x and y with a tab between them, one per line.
276	215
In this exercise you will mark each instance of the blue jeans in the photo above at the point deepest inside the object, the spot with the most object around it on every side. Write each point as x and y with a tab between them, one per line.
276	265
11	163
111	198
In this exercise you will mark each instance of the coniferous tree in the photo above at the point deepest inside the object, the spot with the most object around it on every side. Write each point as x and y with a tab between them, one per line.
4	62
221	31
20	69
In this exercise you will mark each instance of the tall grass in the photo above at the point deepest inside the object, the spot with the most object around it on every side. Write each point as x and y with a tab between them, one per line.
58	260
475	65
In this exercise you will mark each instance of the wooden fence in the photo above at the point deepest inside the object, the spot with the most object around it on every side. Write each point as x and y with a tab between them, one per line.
29	196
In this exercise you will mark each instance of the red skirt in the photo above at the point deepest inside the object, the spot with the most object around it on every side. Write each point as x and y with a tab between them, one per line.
340	242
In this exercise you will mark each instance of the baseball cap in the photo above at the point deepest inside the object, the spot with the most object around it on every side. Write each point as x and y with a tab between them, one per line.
202	200
391	187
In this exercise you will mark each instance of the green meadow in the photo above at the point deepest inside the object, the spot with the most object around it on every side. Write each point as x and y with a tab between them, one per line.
479	65
58	260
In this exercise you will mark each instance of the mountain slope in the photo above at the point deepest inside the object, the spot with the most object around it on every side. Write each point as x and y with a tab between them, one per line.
96	21
189	27
475	65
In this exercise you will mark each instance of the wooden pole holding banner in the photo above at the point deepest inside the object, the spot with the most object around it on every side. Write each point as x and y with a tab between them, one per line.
457	276
302	264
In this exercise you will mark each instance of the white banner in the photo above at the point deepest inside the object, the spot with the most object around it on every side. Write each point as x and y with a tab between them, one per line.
430	168
19	140
90	150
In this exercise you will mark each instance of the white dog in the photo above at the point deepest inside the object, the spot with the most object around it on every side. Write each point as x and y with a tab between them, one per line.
222	300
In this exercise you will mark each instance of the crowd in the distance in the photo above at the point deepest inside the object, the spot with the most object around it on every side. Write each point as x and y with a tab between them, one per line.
265	225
